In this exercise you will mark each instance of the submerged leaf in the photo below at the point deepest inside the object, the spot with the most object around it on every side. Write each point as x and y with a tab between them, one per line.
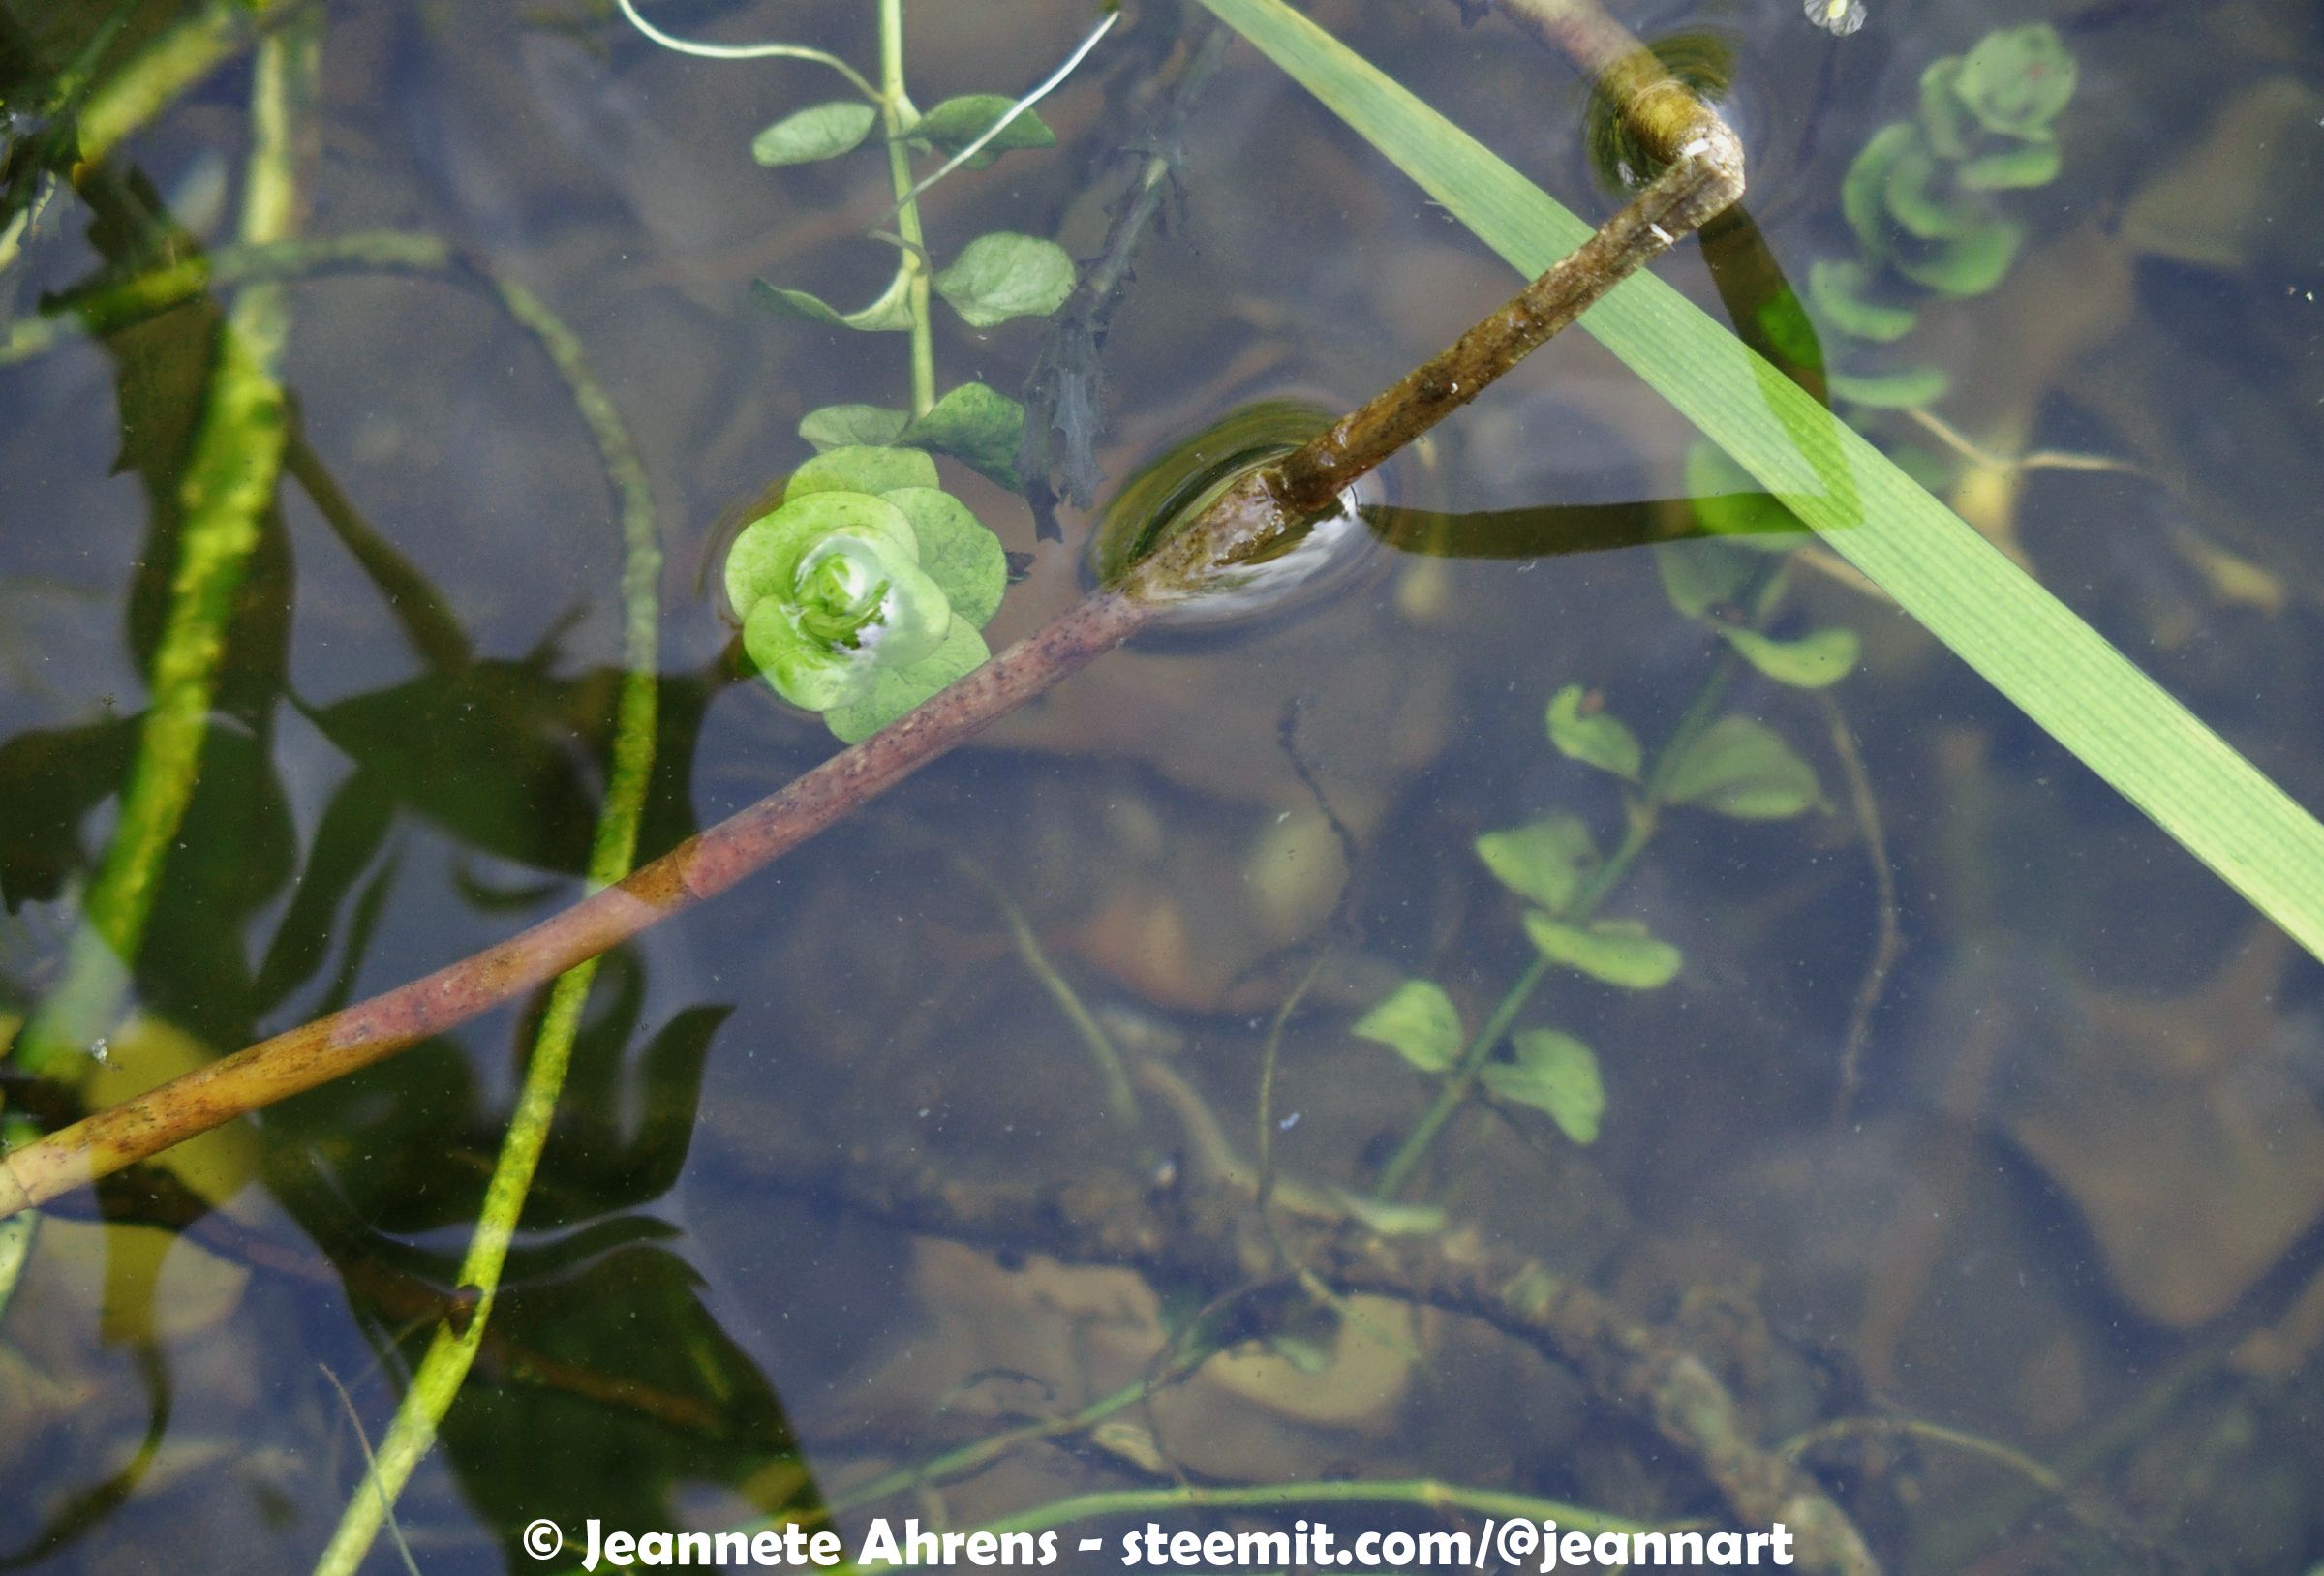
1419	1022
1944	117
1907	390
1914	200
1593	737
1554	1073
976	426
853	426
889	313
1618	952
823	131
1969	264
1811	662
954	124
1545	860
2017	81
895	691
1742	768
860	468
1864	190
957	551
1003	275
2028	164
1839	288
1698	576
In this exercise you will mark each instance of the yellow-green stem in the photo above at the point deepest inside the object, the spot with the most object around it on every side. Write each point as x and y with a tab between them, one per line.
223	493
451	1353
895	117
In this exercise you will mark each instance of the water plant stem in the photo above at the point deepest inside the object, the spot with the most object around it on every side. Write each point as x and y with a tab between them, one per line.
1640	817
224	492
895	117
1705	176
452	1349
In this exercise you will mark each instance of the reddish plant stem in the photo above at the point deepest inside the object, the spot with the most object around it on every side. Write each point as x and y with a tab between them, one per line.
1705	175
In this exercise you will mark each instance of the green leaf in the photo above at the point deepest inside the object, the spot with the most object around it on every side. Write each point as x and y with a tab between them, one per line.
1839	290
1728	501
1419	1022
1545	860
957	551
853	426
1970	265
954	124
1915	201
976	426
891	313
1594	739
2017	81
2028	164
1810	662
1700	576
1554	1073
765	557
1944	117
860	469
824	132
1983	606
1864	190
1003	275
1619	951
895	691
1742	768
1906	390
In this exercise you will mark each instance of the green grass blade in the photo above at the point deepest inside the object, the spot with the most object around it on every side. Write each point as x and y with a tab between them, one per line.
2032	647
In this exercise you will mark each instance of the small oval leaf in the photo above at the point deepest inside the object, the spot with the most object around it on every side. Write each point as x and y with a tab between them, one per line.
1594	739
823	131
1618	952
1546	861
1419	1022
954	124
1839	288
1742	768
1003	275
1812	661
978	427
853	426
1554	1073
860	469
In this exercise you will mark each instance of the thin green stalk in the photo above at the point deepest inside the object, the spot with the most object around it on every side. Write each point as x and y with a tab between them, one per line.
445	1365
1643	815
895	117
980	1453
228	486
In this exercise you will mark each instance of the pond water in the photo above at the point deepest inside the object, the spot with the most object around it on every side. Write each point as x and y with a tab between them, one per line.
1973	1151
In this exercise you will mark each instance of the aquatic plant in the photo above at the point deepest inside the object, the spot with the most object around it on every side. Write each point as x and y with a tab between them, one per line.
861	604
1927	201
862	594
1722	762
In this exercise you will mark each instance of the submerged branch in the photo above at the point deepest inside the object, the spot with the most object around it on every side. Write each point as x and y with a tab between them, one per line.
1206	1235
1704	177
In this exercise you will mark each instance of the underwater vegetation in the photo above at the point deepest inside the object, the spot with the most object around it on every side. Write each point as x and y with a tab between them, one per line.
1257	1078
